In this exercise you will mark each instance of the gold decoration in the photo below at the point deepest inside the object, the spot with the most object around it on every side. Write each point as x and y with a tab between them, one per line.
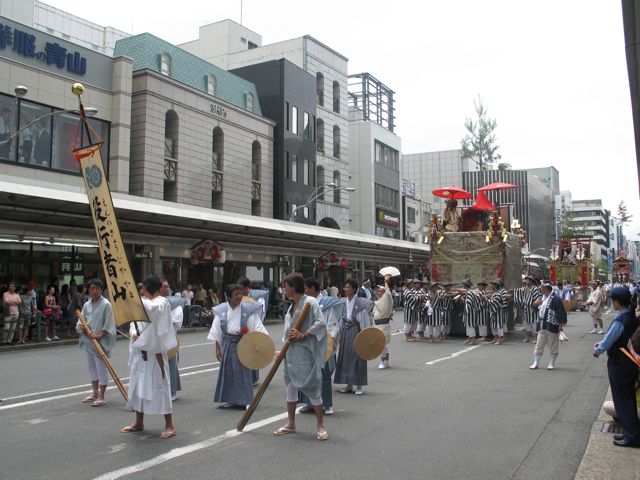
77	89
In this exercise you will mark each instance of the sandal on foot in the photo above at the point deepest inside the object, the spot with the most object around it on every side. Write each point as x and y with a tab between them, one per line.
322	436
98	403
284	431
345	390
89	399
131	429
167	435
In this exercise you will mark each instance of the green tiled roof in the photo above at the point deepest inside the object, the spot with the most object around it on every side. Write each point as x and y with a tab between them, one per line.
145	51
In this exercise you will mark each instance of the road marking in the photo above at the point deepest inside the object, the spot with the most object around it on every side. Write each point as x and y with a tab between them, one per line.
117	448
36	421
58	397
180	451
196	345
27	395
453	355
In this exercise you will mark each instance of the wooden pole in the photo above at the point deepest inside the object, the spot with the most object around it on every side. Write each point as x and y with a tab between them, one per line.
265	384
104	358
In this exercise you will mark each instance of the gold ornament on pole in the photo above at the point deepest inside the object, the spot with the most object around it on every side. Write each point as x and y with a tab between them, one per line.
77	89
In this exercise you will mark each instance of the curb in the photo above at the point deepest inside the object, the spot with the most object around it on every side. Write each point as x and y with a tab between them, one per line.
74	341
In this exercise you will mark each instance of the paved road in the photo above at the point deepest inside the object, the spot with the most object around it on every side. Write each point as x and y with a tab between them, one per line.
472	413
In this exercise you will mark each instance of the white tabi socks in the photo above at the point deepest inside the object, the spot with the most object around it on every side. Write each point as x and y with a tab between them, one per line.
552	362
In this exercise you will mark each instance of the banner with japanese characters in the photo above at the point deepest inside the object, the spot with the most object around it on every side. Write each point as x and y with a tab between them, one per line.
123	293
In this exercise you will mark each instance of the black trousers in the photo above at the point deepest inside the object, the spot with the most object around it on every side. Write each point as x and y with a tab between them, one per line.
622	379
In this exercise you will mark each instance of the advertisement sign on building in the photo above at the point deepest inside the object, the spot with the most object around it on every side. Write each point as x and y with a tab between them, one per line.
387	218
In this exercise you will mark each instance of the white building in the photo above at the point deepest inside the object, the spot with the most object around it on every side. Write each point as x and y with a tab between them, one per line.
591	218
562	205
59	23
230	45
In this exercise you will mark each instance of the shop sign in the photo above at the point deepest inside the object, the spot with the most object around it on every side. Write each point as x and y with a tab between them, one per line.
218	110
25	44
143	255
387	218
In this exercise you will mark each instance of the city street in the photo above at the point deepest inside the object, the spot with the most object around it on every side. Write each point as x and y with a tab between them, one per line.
443	411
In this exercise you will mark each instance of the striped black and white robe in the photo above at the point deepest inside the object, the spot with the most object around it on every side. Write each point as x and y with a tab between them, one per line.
411	310
498	308
434	319
524	298
476	313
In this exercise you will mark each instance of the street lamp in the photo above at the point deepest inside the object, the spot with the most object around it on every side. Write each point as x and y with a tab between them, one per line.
316	193
21	91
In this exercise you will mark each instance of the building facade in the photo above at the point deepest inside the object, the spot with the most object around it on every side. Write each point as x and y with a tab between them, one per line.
431	170
287	96
61	24
328	67
376	206
591	218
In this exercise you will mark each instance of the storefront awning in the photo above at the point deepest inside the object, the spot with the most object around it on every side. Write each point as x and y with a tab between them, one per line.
31	208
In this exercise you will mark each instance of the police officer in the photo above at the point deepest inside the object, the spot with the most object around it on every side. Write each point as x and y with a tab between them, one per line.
622	371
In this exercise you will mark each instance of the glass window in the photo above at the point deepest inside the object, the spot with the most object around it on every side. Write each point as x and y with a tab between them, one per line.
320	177
411	215
336	191
211	84
320	88
336	97
307	125
165	64
7	127
66	129
294	167
320	139
39	133
336	141
305	171
294	120
287	116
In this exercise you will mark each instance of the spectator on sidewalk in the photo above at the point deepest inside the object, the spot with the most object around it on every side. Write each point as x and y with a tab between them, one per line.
78	299
200	295
26	311
10	302
187	294
622	371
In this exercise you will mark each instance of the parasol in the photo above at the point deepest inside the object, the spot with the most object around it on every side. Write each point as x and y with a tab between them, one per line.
452	192
497	186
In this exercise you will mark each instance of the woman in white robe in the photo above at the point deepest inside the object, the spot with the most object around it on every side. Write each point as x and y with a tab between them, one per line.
149	387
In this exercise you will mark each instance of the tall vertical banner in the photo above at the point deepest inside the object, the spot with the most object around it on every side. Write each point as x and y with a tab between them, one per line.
123	293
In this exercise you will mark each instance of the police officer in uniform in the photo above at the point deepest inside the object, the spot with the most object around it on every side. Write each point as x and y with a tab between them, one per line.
622	371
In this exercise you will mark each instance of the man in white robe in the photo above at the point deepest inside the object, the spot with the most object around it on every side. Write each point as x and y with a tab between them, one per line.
233	319
382	317
177	313
149	388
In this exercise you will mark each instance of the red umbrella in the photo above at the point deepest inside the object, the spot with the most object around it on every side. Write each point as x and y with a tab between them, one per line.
497	186
452	192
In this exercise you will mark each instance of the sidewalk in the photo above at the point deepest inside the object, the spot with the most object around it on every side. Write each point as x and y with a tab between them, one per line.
74	341
602	460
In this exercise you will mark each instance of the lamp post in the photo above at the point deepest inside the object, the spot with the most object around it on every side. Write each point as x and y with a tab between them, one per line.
22	91
316	194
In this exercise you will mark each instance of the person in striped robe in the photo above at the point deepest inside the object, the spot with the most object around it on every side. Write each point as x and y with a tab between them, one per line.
446	306
432	306
498	305
525	298
411	302
475	312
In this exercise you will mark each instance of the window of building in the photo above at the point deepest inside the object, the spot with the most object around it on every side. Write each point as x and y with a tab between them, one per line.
336	97
307	126
294	167
306	172
171	134
256	193
336	141
320	135
411	215
336	191
248	101
287	116
320	178
211	84
217	165
387	156
294	120
386	197
320	88
165	64
37	150
252	45
387	232
65	129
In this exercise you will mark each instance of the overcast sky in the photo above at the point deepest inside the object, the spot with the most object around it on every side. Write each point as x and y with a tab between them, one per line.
552	73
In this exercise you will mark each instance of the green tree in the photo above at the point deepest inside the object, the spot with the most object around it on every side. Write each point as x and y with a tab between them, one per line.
568	224
480	141
624	216
504	166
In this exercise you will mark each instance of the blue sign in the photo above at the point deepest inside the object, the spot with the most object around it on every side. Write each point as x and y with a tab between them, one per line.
24	44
